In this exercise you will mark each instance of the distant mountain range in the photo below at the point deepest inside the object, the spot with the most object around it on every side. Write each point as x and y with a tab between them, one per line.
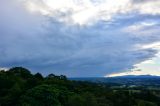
125	76
136	76
138	80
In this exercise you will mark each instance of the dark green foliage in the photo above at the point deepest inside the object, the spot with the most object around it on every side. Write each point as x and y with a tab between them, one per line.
44	95
145	103
38	76
20	72
18	87
84	99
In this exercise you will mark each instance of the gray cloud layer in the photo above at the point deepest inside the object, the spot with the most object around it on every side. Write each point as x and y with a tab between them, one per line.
44	44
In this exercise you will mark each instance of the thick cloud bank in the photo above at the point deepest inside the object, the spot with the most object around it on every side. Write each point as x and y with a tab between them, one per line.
86	38
89	11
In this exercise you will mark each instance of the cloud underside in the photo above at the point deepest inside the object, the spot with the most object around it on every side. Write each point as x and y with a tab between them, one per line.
86	38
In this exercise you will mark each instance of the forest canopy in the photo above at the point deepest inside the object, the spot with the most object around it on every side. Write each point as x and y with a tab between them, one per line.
18	87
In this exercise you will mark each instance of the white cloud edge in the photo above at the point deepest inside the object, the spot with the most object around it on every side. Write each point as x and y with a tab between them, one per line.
87	12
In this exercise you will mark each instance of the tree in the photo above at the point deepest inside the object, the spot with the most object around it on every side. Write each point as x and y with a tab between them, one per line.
76	100
20	72
38	76
51	76
43	95
63	77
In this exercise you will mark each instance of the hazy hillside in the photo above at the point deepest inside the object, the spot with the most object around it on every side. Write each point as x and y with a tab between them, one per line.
128	80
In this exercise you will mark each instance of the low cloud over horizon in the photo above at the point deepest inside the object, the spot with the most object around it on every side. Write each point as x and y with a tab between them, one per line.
79	38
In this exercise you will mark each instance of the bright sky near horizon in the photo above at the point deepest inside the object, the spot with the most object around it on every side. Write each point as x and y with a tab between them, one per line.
81	38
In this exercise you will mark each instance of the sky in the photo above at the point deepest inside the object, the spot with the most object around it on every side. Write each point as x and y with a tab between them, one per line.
81	38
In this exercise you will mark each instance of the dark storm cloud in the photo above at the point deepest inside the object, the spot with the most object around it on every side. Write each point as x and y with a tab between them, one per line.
44	44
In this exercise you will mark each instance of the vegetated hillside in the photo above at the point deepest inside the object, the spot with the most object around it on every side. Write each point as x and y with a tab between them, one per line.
18	87
128	80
